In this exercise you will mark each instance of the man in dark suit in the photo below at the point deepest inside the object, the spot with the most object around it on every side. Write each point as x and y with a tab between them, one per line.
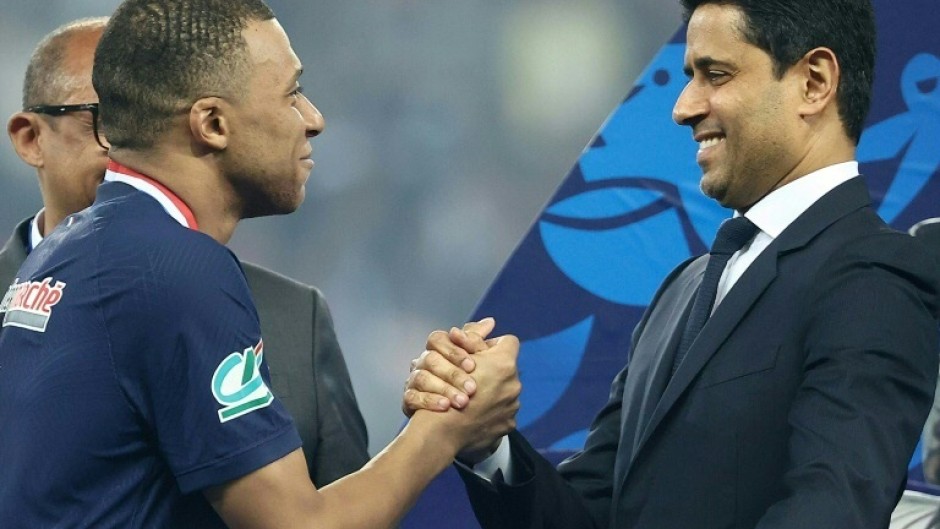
306	364
781	381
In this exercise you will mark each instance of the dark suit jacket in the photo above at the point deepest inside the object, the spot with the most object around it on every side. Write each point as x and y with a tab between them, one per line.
798	406
307	369
927	232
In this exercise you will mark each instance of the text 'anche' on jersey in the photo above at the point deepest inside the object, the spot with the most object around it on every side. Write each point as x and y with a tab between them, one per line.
29	304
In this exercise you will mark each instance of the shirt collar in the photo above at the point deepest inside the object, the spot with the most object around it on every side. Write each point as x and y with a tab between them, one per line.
35	234
773	213
172	204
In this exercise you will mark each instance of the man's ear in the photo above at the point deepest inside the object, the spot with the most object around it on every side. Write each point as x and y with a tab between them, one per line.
209	124
24	129
820	80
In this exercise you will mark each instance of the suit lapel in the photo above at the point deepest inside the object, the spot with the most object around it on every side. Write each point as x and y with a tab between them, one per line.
844	199
722	322
655	352
13	254
651	358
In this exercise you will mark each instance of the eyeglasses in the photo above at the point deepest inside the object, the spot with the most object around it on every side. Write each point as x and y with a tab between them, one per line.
58	110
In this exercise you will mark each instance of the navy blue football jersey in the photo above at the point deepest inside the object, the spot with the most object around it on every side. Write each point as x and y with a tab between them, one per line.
132	370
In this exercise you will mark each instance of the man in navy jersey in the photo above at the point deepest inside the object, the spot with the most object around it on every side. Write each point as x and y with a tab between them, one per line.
134	389
57	133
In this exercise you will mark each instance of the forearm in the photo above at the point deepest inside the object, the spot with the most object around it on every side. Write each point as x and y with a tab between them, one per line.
342	448
281	495
388	485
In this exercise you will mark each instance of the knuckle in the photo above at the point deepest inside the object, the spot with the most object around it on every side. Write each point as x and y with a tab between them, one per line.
506	370
437	334
451	353
433	360
419	378
429	400
508	343
455	375
419	363
455	357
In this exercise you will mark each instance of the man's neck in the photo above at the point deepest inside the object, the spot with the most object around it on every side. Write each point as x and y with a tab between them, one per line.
195	182
46	218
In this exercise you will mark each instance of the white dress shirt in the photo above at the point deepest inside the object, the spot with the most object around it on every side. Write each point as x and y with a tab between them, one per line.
772	214
35	234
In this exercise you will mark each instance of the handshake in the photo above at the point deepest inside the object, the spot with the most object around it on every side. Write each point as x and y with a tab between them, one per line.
466	387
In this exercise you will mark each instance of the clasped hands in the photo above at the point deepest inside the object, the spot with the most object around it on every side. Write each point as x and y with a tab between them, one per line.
472	381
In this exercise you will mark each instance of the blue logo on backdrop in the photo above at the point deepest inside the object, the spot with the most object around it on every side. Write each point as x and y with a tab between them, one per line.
636	183
913	135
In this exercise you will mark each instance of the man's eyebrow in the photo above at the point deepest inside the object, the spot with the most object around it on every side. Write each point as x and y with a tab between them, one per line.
704	63
296	76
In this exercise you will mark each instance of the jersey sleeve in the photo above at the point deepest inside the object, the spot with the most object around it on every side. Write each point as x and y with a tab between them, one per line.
188	351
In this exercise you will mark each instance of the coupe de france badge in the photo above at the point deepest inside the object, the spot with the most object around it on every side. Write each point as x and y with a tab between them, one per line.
237	384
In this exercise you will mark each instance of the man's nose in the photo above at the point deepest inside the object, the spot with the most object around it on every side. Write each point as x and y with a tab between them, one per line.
313	118
690	107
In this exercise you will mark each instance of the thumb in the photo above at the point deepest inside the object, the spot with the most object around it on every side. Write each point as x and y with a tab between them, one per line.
472	337
482	328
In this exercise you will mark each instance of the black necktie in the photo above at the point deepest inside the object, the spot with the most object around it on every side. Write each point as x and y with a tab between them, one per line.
732	236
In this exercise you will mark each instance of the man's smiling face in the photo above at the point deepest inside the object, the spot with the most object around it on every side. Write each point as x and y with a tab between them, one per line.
742	116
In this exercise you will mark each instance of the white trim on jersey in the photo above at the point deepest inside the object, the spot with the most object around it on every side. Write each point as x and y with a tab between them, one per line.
150	189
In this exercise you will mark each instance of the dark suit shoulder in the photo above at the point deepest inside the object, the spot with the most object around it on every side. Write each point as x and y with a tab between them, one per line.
269	279
861	242
308	373
863	237
685	273
14	252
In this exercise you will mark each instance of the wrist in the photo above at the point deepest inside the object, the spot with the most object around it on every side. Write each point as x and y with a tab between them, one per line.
436	435
472	457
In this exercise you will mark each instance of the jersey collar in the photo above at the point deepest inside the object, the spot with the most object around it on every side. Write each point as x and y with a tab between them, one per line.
172	203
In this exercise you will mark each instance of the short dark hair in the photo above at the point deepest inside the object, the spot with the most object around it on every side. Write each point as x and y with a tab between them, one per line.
46	81
157	56
788	29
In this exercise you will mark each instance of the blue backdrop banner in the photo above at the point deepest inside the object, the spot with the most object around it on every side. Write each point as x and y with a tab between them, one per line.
630	210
